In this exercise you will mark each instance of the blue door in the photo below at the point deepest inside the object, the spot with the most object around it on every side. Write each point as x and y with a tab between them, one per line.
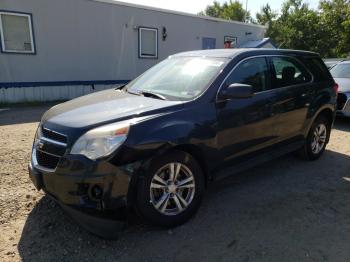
208	43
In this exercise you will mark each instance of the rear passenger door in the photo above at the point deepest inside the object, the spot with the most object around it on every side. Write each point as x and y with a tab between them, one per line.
293	84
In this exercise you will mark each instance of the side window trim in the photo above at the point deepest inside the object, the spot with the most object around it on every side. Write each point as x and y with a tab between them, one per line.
268	79
273	72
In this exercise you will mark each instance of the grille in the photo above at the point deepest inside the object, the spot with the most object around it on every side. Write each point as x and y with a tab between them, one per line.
341	101
50	147
46	160
54	136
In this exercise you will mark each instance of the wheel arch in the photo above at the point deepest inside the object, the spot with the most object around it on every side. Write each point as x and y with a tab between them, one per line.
196	152
198	155
328	113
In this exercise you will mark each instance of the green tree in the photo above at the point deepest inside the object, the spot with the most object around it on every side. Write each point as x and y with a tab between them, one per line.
298	26
231	10
214	10
267	17
335	19
326	30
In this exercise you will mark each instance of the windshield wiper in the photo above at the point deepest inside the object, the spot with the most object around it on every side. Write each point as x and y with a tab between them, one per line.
151	94
120	87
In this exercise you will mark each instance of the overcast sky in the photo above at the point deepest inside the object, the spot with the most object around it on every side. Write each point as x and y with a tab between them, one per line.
195	6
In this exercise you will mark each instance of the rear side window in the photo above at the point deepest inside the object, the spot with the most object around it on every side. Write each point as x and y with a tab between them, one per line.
289	72
317	68
252	72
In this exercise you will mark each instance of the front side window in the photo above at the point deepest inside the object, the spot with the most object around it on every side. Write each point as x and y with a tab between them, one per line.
16	33
179	78
289	72
148	42
341	71
252	72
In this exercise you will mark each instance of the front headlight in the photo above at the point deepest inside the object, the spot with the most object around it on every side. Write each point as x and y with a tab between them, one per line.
101	141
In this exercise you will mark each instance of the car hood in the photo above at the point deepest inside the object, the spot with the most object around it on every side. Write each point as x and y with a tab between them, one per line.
344	84
102	108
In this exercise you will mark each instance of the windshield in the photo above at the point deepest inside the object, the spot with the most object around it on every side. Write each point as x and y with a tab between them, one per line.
178	78
341	71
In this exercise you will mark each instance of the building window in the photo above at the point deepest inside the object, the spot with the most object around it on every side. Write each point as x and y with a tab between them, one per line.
230	42
16	33
148	42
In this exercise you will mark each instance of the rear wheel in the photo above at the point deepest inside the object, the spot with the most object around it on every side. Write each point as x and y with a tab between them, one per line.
317	139
171	191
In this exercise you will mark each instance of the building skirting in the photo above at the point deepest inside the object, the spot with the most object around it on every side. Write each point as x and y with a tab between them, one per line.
51	91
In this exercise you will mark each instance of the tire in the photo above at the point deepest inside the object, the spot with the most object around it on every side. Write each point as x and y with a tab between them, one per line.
161	197
316	140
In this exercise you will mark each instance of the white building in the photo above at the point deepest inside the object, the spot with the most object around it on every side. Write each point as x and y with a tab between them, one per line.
52	50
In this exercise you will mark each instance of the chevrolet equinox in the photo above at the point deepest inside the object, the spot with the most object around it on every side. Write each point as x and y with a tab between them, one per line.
154	144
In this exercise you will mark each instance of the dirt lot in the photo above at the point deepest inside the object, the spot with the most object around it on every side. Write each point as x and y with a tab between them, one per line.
285	210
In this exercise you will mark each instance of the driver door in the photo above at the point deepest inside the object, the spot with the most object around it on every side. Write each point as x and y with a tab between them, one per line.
247	124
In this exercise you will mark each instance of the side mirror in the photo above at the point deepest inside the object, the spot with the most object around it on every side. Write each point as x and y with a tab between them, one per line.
238	91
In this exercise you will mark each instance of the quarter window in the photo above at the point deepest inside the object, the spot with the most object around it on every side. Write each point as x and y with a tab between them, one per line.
252	72
16	33
148	42
317	68
289	72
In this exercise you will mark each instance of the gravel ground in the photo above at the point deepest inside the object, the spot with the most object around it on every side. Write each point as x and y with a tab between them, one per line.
285	210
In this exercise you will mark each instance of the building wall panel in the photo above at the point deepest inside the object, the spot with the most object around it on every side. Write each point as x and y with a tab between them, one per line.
46	93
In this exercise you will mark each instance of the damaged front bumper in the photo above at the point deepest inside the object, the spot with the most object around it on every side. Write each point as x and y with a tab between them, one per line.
93	187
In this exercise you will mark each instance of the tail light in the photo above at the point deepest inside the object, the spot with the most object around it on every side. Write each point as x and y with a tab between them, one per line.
336	88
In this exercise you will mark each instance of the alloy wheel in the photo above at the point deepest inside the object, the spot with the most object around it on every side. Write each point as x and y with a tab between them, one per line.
319	138
172	189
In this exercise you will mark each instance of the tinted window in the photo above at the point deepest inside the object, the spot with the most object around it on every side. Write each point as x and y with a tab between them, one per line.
341	71
317	68
252	72
289	72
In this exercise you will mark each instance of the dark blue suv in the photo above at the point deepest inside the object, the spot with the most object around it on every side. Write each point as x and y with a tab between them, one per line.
154	144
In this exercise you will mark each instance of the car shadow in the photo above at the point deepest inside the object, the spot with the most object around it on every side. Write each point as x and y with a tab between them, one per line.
284	210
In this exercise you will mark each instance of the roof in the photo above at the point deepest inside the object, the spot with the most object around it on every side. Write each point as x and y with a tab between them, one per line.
219	53
233	52
113	2
258	43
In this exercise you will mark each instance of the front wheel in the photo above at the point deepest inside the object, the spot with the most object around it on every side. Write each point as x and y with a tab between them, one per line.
317	139
171	191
